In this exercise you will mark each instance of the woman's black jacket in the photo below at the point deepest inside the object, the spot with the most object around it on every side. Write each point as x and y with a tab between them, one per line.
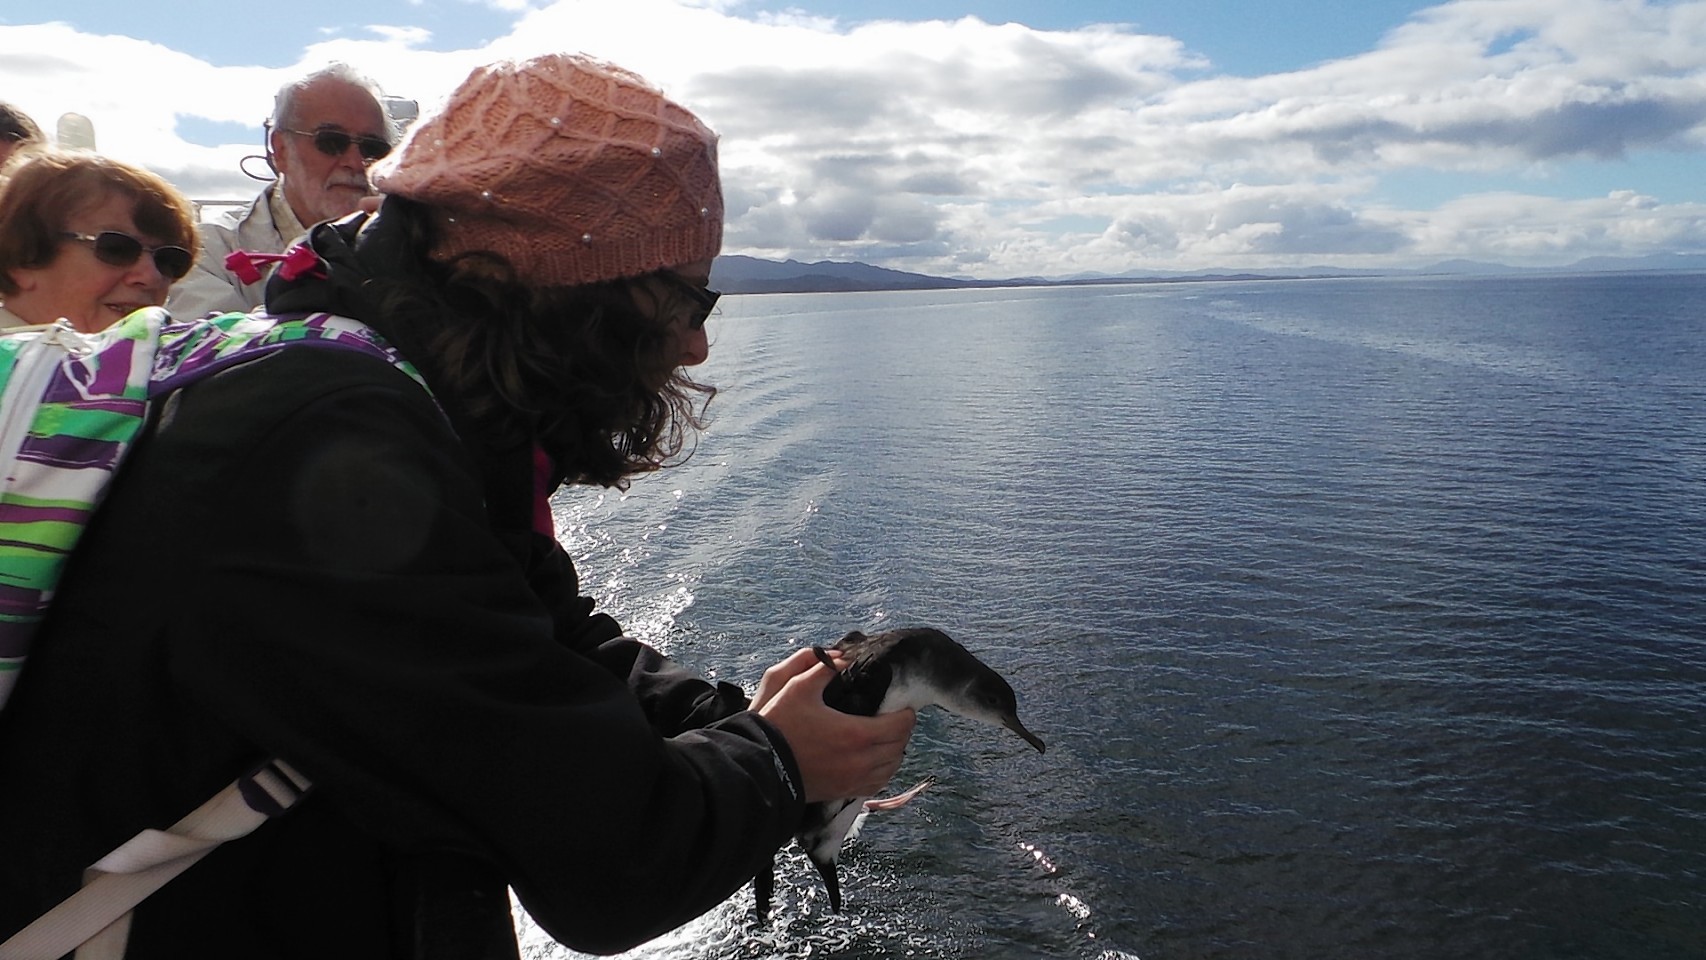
303	560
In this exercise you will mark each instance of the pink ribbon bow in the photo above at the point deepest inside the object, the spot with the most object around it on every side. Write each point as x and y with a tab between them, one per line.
296	262
544	468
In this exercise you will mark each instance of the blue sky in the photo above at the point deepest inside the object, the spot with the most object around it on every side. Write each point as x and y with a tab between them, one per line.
1249	37
1018	138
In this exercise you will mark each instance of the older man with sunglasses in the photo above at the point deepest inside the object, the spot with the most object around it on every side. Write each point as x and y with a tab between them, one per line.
326	129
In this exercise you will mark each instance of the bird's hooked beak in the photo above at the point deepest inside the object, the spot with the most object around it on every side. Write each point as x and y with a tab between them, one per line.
1012	723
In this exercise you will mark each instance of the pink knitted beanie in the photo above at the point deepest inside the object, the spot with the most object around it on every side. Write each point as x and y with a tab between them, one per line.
572	169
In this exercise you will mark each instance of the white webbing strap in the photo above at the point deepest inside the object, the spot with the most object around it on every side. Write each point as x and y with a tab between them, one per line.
97	917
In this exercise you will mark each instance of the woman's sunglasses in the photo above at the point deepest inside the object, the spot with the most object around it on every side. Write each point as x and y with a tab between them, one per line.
333	143
704	298
123	250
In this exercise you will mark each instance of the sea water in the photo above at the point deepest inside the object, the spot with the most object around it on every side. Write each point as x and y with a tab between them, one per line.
1364	618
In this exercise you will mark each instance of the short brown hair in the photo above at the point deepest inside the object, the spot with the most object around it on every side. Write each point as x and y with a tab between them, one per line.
16	125
44	190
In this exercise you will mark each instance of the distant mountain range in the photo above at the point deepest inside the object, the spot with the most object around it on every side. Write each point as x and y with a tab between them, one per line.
738	274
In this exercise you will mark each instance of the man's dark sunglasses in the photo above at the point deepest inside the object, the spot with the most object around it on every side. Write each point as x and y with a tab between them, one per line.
703	297
333	143
123	250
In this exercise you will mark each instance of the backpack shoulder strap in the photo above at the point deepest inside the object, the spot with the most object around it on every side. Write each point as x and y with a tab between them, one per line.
95	921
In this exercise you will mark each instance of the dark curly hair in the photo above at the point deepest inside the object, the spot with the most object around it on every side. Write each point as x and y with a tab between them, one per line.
587	372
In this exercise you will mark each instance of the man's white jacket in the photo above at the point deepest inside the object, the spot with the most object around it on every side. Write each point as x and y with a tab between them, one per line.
267	226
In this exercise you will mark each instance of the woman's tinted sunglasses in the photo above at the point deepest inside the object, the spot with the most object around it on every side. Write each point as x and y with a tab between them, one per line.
123	250
333	143
704	299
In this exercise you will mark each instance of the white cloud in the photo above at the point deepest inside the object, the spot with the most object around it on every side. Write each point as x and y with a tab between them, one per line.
403	36
1524	229
961	146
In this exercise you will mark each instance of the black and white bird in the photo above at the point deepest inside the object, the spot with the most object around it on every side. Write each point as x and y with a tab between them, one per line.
915	667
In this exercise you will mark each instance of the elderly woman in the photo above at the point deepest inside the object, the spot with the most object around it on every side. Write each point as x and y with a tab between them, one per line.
360	579
88	239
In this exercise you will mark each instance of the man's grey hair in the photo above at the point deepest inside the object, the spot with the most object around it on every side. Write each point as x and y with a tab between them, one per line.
284	103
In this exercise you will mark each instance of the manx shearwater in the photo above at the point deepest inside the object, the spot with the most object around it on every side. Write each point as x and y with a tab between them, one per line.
914	667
